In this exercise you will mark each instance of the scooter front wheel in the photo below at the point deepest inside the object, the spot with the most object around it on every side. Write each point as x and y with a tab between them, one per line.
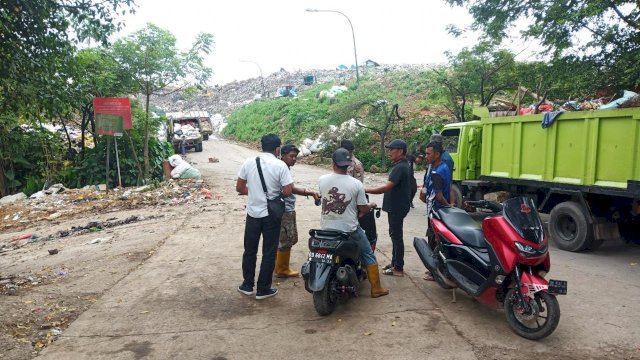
538	321
325	300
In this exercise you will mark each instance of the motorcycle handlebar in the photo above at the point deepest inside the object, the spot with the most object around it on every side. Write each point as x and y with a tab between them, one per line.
485	204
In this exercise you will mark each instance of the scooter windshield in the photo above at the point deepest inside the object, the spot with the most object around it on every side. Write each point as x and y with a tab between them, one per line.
521	213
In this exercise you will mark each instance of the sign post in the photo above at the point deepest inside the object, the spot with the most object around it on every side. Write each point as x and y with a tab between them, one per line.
115	138
113	116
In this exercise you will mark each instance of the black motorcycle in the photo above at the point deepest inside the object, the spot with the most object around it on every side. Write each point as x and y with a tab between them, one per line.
333	271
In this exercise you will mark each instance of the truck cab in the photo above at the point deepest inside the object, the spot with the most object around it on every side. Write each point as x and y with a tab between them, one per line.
463	141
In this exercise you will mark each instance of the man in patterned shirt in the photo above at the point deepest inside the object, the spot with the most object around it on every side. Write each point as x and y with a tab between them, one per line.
356	169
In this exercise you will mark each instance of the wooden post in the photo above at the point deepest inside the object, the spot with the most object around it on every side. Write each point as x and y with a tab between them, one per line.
107	172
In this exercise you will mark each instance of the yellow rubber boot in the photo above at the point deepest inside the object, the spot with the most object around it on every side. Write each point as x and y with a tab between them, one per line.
282	265
374	278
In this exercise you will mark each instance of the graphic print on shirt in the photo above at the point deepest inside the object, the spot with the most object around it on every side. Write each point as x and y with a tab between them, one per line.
334	202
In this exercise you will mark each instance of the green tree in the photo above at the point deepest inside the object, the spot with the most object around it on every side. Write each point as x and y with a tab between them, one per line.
612	28
38	41
152	59
477	73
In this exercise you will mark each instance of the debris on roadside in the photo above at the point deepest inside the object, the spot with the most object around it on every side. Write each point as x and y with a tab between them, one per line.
62	203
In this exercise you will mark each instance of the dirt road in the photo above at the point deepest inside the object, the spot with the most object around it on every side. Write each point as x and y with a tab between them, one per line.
164	287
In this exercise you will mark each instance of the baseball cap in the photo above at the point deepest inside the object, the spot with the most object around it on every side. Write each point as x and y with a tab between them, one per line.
341	157
397	144
347	144
289	148
437	138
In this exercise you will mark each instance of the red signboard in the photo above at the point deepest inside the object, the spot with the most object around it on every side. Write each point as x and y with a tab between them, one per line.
112	115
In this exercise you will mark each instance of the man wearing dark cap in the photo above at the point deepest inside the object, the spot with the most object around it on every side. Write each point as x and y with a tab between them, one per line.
278	181
356	169
396	202
288	226
343	201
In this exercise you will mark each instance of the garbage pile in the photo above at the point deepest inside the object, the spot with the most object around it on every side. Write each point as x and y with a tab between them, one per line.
227	98
63	203
502	107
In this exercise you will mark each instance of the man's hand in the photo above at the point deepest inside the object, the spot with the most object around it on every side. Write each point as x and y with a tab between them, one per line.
241	187
315	194
372	205
423	197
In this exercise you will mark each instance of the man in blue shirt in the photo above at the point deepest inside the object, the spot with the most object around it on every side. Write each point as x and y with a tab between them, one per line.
446	158
437	179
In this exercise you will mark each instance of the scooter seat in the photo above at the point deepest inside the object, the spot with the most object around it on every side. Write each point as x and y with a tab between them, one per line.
463	226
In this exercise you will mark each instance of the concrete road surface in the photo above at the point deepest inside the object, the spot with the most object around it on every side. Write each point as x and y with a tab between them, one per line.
182	303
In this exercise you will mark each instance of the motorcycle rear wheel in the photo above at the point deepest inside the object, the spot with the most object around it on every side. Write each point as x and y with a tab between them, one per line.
324	300
544	308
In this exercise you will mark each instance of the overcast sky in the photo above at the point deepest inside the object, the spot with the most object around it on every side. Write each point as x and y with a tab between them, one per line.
281	34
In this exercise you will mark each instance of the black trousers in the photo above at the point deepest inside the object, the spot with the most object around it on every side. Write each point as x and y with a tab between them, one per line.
270	231
396	224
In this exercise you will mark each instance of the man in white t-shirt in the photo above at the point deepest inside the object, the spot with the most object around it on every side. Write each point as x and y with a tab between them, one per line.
343	201
278	181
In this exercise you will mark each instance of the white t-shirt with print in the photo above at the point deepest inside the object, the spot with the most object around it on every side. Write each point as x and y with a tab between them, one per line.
276	175
341	195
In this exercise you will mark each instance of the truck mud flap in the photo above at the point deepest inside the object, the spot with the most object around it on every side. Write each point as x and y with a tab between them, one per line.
318	276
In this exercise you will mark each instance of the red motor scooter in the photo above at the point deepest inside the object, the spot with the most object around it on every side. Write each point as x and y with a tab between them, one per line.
503	262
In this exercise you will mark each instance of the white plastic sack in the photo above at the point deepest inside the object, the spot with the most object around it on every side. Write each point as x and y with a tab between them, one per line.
304	151
179	166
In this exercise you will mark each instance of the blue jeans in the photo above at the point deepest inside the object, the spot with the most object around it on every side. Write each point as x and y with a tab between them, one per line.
366	255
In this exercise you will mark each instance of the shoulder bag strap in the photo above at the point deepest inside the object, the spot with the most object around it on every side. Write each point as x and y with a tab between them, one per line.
264	186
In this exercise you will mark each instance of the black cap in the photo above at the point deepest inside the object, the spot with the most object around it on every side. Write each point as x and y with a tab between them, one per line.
397	144
341	157
347	144
289	148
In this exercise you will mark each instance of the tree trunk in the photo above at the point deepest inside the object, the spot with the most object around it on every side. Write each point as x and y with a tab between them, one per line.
146	135
382	134
69	143
83	129
464	102
4	190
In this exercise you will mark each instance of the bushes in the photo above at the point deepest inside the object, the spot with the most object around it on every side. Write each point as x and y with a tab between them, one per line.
92	169
28	158
306	116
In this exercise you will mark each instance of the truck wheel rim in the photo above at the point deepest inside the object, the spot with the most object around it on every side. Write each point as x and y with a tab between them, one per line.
567	228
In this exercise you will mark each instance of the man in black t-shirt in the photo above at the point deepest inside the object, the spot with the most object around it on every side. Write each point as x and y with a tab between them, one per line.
396	202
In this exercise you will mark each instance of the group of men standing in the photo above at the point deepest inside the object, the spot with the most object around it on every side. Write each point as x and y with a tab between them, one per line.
345	207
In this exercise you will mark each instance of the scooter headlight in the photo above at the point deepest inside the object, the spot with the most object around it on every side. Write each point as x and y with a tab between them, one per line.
525	249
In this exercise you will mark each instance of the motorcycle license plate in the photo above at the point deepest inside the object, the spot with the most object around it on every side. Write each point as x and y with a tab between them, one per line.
557	287
322	258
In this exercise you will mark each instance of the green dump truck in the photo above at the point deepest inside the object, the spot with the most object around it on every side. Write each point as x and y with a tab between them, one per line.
584	169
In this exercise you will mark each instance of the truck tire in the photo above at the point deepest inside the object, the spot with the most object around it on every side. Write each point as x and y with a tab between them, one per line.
205	137
569	226
455	189
199	147
630	231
